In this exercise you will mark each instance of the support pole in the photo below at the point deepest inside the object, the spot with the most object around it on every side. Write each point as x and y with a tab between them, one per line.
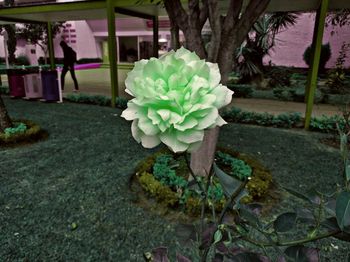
50	46
155	36
316	53
112	51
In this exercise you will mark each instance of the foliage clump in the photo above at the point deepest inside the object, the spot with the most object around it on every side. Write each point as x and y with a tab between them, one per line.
100	100
18	128
239	168
325	56
166	178
336	77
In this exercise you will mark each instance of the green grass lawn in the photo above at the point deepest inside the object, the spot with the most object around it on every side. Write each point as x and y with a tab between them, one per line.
67	198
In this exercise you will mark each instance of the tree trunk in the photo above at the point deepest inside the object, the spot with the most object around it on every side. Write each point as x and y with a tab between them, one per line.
5	120
175	36
230	32
11	42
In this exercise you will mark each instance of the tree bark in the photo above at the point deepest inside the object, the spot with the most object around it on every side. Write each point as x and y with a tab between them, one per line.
175	36
5	120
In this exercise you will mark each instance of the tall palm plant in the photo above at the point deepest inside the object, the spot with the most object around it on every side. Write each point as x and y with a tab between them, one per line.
261	40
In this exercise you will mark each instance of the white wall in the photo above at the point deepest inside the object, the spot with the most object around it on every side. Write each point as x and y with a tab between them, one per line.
86	43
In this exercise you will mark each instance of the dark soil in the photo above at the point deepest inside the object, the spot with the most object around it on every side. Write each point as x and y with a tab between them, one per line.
67	198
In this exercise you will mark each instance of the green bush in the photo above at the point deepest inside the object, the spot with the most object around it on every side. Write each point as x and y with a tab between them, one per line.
100	100
299	95
89	60
325	56
286	120
327	124
285	94
241	90
22	60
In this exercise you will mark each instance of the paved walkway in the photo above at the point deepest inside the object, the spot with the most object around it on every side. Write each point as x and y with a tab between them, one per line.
97	82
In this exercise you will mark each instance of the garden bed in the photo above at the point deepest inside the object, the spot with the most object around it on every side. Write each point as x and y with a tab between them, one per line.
31	134
165	177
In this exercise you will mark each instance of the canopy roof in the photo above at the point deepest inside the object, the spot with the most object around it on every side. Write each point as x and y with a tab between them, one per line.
96	9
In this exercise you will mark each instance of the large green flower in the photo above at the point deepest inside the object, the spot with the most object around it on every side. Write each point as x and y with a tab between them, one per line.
177	97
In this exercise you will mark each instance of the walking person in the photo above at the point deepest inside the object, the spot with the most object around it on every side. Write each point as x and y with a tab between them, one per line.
69	58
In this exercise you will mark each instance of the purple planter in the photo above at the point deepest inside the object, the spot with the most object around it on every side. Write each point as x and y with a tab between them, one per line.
50	85
16	82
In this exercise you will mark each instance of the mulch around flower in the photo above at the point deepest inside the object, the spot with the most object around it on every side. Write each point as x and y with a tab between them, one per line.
162	200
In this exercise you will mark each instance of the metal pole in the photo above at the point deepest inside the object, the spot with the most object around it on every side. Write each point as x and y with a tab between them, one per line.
316	53
112	51
50	46
155	36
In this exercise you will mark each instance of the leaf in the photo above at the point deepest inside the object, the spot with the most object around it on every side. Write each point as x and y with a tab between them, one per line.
299	253
250	217
217	236
305	216
331	224
343	211
347	170
207	236
314	197
296	194
181	258
285	222
228	183
330	207
160	254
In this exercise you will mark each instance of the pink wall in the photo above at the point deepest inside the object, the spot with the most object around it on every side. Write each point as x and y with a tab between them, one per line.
292	43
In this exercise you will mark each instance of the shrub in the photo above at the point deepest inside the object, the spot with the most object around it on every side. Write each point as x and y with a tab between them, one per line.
325	56
241	90
22	60
89	60
279	76
286	120
284	94
100	100
299	95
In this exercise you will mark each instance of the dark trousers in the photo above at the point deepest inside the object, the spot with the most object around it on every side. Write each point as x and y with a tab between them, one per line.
72	73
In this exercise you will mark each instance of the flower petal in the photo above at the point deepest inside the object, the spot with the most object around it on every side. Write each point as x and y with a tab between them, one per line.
190	136
169	138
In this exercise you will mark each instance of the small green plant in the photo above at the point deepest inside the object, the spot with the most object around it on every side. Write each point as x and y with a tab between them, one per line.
163	170
325	56
336	77
17	129
239	168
